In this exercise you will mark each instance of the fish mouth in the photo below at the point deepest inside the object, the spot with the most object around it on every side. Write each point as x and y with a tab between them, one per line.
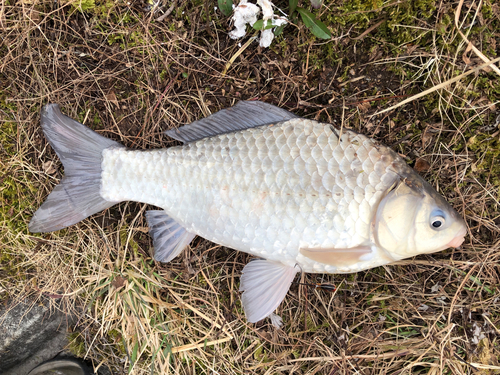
458	239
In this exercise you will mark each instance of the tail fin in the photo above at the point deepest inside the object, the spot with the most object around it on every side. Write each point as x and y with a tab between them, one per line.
77	195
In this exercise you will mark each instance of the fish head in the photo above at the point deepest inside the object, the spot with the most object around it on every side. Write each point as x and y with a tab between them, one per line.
413	219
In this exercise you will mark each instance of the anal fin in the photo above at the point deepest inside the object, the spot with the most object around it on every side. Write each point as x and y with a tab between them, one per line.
169	238
264	285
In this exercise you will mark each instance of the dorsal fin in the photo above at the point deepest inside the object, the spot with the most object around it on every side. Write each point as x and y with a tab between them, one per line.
244	115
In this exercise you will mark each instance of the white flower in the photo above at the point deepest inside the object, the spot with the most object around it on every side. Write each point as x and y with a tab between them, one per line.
266	37
267	9
244	13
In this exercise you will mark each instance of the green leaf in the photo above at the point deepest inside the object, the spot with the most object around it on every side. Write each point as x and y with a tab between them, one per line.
279	30
259	25
225	6
292	4
317	27
133	358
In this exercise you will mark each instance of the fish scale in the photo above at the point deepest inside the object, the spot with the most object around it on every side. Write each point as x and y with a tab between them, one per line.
268	190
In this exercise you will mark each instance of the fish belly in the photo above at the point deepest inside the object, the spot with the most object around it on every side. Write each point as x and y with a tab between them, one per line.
267	191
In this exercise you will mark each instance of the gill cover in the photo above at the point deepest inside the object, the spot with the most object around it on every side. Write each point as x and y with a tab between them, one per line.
395	218
413	219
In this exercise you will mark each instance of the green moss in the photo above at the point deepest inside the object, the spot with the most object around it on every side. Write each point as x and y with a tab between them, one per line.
355	12
124	239
105	6
15	188
16	192
261	354
135	39
5	104
15	200
83	5
116	338
487	151
97	7
407	22
116	38
76	344
8	132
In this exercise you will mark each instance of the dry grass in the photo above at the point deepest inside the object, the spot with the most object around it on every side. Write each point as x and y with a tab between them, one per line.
131	77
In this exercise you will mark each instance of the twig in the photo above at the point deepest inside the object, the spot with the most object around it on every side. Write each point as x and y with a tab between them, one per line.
369	30
239	52
167	12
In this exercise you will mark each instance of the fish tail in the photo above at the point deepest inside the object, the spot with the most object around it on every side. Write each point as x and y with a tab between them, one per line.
78	194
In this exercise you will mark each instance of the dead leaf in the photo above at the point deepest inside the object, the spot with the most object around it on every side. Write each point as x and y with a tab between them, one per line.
118	282
410	48
464	56
472	140
364	106
426	137
374	53
495	8
34	15
422	165
476	61
48	167
111	96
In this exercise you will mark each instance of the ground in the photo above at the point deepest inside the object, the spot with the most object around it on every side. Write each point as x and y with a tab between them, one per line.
131	71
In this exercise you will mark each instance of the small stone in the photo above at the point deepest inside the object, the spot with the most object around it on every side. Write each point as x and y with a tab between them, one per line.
30	334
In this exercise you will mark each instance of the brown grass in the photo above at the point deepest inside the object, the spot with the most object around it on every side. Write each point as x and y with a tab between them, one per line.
130	78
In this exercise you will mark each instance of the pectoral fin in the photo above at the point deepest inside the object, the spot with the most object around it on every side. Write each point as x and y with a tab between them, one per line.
264	285
338	257
169	238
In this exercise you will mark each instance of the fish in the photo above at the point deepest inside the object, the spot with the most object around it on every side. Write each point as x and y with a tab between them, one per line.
297	194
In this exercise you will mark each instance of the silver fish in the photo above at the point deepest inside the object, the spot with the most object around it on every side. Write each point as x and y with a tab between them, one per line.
298	194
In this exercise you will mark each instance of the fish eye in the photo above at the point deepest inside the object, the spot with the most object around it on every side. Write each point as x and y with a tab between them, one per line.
437	222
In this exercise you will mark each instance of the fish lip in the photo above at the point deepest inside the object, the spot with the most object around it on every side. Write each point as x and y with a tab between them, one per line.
459	238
